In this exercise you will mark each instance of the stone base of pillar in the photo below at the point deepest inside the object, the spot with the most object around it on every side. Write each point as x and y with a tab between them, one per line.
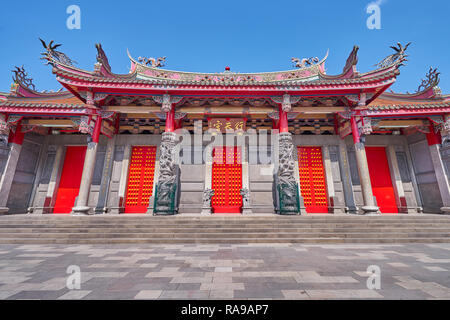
370	210
445	210
4	210
206	211
247	210
80	211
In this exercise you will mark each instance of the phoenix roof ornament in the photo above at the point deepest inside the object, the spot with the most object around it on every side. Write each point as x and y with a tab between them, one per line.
21	76
398	57
152	62
304	63
432	79
52	55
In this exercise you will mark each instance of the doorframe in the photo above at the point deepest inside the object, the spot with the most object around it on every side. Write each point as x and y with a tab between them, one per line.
244	163
328	174
392	169
123	187
59	172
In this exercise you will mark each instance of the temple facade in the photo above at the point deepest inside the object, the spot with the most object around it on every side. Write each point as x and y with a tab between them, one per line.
167	142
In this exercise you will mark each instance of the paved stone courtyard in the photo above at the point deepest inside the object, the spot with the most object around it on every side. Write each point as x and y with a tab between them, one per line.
284	271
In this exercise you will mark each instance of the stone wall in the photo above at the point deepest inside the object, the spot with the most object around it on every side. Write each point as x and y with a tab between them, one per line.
424	173
340	166
24	177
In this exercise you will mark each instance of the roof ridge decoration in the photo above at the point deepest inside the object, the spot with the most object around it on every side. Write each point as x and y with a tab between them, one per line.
52	56
431	80
352	60
396	58
305	62
21	77
102	59
152	72
152	62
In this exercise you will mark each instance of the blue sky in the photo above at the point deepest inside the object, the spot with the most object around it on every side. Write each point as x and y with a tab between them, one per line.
206	36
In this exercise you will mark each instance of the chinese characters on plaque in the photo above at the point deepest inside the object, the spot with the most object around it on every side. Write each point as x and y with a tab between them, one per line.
227	124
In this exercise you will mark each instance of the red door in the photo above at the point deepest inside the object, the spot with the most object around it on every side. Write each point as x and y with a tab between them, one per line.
227	180
380	178
69	183
312	179
140	179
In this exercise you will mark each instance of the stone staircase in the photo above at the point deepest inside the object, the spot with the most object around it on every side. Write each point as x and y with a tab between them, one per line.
103	229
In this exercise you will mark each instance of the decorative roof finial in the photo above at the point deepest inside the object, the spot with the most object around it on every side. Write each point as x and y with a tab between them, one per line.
432	79
21	76
305	62
101	57
398	57
155	63
51	55
352	59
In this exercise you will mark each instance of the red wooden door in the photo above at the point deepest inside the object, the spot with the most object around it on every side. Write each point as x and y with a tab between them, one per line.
69	183
140	179
380	178
227	180
312	179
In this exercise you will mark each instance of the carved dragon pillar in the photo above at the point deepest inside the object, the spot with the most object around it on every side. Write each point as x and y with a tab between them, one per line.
288	200
167	188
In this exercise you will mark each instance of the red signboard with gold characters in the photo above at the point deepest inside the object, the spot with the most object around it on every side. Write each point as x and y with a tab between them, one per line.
140	179
227	180
312	179
227	124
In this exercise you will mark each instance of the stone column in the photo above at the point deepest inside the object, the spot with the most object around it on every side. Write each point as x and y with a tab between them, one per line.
329	178
289	200
15	145
346	178
434	141
88	171
123	180
167	187
363	170
106	176
396	179
245	191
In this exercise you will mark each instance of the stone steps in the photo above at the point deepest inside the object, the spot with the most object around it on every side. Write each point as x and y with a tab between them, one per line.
29	229
68	230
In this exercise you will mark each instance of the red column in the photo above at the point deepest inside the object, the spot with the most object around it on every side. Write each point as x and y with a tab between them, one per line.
170	120
17	136
355	132
433	137
97	130
283	123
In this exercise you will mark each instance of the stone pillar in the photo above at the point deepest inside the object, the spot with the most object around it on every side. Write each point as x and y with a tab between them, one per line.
346	178
245	191
106	176
15	145
208	193
396	180
123	180
286	187
166	202
88	171
50	198
363	170
434	141
329	179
